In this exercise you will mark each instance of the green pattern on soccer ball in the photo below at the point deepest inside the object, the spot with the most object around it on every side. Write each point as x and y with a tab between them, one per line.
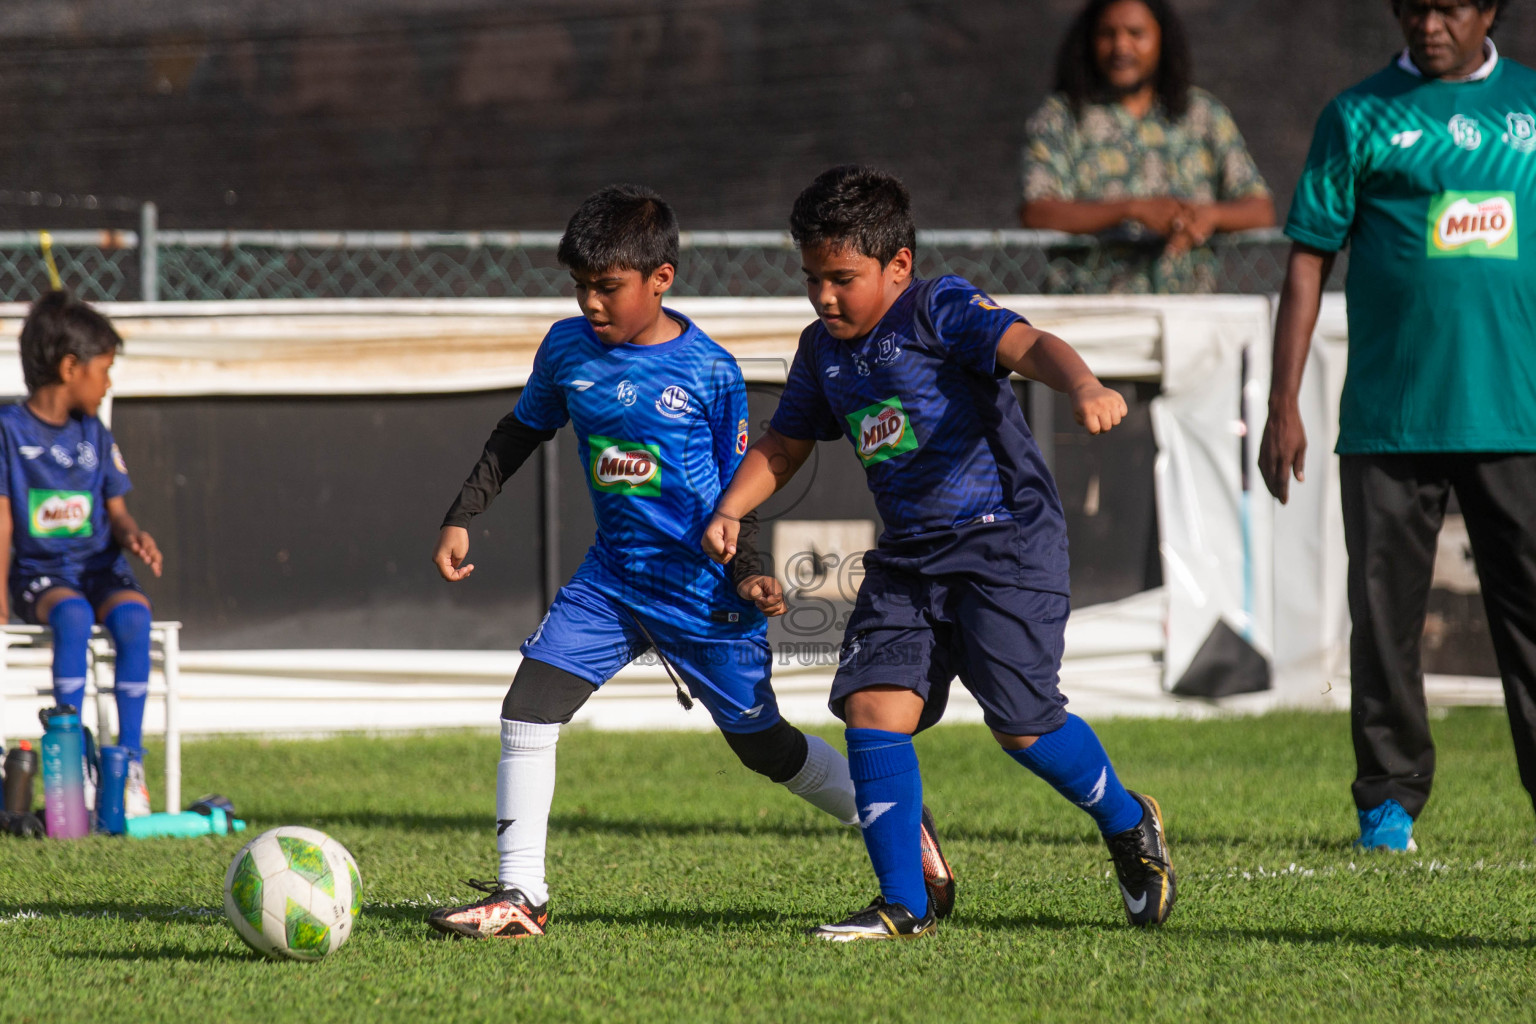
308	861
305	933
357	890
246	890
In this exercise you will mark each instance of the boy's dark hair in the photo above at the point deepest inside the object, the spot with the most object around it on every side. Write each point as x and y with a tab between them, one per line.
1481	5
856	207
59	325
1077	71
620	227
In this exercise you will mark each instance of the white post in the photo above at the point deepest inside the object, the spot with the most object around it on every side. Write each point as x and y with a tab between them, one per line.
170	647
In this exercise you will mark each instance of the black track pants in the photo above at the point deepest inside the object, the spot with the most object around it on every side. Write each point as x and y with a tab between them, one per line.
1393	508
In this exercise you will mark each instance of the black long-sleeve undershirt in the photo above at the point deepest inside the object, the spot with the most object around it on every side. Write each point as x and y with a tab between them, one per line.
510	445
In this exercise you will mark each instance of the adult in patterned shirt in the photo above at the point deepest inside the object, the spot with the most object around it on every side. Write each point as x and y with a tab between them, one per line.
1428	170
1127	149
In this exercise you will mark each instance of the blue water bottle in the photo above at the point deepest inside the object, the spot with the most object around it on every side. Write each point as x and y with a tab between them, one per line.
109	795
63	755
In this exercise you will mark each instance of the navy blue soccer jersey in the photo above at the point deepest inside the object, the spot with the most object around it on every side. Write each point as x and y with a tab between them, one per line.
934	421
660	430
58	480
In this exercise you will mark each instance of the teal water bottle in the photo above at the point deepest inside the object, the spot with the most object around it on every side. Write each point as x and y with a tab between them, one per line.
63	755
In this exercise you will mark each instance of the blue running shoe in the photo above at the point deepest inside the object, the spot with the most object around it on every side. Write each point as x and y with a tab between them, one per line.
1387	827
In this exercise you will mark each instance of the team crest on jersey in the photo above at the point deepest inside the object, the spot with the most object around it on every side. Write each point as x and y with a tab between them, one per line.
1475	224
1520	132
627	392
1465	132
881	431
62	456
741	437
886	350
117	459
625	467
85	455
59	513
674	403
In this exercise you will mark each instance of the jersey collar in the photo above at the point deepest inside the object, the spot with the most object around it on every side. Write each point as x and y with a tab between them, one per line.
1405	62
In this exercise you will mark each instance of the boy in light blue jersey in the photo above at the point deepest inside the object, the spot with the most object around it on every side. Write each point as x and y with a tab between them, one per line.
64	522
660	415
969	578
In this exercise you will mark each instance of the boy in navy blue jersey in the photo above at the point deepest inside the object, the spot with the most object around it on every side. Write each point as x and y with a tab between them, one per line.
970	576
660	415
64	522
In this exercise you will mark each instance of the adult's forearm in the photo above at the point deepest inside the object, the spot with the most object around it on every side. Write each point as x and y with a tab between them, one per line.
1077	218
1245	214
1300	300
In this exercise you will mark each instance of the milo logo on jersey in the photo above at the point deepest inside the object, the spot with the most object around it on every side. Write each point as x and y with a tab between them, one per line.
59	513
625	467
881	431
1477	224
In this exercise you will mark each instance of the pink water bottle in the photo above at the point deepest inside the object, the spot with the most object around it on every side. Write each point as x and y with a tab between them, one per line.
62	749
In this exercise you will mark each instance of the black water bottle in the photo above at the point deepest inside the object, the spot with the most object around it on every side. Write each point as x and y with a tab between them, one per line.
20	769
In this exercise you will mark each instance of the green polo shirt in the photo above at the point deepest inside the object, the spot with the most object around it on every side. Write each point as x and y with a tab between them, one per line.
1433	186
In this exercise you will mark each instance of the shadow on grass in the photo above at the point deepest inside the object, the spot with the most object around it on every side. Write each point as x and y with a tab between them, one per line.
167	953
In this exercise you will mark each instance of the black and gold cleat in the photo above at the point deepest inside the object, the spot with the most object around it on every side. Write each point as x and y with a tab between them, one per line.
503	914
879	920
1145	873
937	876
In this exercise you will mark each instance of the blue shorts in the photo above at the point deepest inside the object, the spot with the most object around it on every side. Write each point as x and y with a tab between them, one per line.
944	605
95	584
591	634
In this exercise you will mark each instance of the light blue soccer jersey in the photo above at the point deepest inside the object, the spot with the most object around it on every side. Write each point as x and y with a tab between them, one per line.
58	480
660	430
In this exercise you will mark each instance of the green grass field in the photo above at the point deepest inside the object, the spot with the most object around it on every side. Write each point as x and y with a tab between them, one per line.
682	885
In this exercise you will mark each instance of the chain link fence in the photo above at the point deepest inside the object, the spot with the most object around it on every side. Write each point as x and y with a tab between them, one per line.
204	265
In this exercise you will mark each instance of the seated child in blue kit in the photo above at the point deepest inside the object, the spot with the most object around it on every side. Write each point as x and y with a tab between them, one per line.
63	522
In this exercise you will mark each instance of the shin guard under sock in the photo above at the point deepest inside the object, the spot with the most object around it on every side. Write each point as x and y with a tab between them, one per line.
890	805
129	625
71	620
525	788
1073	761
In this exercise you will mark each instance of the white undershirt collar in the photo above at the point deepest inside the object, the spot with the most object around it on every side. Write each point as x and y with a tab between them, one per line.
1405	62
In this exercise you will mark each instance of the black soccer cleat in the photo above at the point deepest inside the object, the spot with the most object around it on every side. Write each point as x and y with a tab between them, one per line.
503	914
879	920
937	876
1141	861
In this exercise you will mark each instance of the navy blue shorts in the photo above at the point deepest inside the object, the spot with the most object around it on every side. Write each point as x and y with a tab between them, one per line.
592	635
95	584
946	605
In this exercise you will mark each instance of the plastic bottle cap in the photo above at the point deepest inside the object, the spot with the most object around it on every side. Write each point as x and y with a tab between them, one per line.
24	745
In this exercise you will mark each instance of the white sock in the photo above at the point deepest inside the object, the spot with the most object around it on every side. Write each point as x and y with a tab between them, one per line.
525	787
823	781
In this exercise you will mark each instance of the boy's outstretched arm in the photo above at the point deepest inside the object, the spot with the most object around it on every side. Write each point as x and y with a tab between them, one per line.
128	535
1033	353
505	451
765	468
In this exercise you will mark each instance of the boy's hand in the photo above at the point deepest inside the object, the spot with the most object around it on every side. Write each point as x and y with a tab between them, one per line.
452	549
763	591
144	546
1097	407
719	540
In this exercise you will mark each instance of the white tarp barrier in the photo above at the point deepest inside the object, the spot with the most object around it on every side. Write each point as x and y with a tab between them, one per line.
1227	555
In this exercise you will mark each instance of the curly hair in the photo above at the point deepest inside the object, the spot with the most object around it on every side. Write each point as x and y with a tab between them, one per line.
1077	71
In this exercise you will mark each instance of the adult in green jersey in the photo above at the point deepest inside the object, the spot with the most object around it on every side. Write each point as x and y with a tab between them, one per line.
1427	170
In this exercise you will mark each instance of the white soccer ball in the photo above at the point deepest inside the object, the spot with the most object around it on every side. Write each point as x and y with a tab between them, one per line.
293	893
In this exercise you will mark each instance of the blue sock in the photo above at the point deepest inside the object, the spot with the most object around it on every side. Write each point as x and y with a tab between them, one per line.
129	625
71	621
1073	761
889	791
